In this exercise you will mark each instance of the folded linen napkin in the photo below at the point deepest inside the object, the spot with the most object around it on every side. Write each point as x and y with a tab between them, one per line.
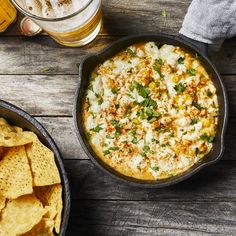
210	21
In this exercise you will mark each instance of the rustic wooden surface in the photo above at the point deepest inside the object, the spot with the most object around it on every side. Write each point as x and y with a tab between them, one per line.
41	77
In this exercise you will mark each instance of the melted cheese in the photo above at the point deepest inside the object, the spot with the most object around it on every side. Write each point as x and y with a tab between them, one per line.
151	112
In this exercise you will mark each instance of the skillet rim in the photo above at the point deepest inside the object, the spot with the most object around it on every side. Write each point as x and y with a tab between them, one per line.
58	158
129	180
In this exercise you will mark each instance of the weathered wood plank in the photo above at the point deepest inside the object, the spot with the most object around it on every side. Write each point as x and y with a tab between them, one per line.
40	55
62	130
53	95
129	17
216	182
122	218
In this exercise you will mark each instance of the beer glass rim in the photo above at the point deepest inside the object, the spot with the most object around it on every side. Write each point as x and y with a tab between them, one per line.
53	19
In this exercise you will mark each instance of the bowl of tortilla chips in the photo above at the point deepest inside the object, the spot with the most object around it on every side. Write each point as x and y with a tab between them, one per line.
34	189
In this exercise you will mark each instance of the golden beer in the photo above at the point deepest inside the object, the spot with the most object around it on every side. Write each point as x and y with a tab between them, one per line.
7	14
69	22
81	33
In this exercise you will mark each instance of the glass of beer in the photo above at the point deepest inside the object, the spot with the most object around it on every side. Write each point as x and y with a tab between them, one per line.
71	23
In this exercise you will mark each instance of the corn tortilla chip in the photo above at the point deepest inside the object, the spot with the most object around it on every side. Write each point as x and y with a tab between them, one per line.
21	215
42	162
43	228
3	152
2	202
15	174
51	196
9	137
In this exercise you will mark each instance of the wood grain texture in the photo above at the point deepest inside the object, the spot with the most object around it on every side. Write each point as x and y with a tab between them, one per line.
53	95
128	218
216	183
41	55
129	17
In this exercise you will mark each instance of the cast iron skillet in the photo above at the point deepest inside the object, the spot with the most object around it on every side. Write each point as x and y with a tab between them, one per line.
90	62
18	117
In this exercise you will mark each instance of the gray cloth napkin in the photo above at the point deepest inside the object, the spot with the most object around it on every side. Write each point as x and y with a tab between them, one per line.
210	21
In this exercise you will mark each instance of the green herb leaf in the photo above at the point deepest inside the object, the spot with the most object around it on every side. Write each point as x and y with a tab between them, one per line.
209	94
192	72
155	168
135	140
157	69
106	152
179	88
131	52
184	133
211	139
113	148
160	61
146	148
149	112
195	120
195	104
181	60
113	90
97	128
152	119
164	13
100	101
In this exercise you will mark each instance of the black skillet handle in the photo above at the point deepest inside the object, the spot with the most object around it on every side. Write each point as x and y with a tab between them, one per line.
203	47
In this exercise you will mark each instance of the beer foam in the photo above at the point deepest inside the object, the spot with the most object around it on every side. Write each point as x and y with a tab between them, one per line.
53	8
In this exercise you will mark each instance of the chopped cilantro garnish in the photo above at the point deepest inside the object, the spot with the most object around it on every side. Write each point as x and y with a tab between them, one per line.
149	112
106	152
131	52
142	91
100	101
160	61
164	13
170	175
157	69
195	120
133	132
184	133
192	72
152	119
113	148
179	88
181	60
209	139
195	104
113	90
97	128
139	168
115	122
155	168
135	140
117	106
148	102
209	94
146	148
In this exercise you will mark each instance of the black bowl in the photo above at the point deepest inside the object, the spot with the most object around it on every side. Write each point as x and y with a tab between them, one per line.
18	117
88	65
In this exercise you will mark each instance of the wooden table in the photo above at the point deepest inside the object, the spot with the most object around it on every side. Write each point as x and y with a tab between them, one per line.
41	76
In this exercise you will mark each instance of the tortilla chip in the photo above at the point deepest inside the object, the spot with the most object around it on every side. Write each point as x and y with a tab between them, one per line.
3	152
15	174
18	129
10	137
21	215
2	202
43	228
42	162
51	196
